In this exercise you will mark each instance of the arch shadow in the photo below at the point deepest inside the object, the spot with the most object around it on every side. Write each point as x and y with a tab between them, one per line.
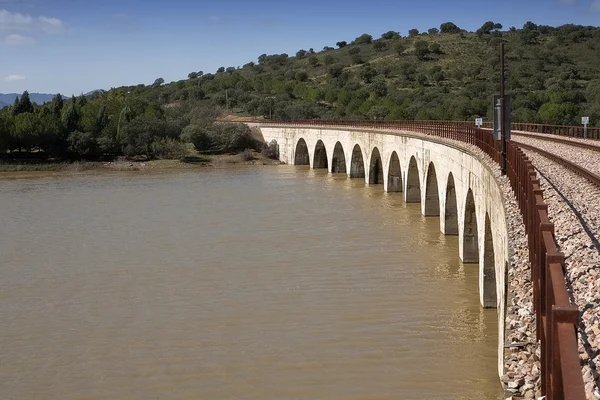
489	267
338	163
470	236
375	168
320	156
357	165
301	156
451	209
432	198
413	185
394	174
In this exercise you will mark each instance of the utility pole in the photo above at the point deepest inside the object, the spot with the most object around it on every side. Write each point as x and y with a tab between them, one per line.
502	111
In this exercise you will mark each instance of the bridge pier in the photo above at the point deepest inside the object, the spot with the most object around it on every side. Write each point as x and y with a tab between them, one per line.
448	182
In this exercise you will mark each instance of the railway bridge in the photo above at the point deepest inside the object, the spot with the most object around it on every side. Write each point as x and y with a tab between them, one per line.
452	170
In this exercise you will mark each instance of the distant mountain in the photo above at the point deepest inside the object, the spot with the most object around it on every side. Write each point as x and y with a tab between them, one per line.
94	92
39	98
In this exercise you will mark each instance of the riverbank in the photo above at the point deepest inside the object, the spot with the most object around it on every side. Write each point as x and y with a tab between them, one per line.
16	170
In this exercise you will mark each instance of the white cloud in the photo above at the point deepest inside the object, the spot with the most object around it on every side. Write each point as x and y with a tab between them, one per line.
15	39
10	21
595	6
14	78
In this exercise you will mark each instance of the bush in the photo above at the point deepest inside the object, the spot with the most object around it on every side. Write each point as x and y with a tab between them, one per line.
247	155
380	46
221	138
354	50
271	150
168	148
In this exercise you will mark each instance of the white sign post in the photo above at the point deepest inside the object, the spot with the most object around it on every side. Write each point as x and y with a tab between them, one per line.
585	121
479	122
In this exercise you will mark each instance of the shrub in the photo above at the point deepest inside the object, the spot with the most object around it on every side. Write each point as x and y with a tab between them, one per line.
168	148
271	150
247	155
221	137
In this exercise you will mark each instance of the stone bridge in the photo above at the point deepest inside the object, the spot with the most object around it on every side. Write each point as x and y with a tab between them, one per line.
449	182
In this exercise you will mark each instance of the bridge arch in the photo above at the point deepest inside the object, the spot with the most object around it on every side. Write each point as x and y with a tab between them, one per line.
375	168
489	267
338	162
470	233
432	198
320	155
301	156
458	172
357	164
413	182
451	208
394	174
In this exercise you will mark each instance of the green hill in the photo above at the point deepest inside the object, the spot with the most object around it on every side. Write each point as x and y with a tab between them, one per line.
553	74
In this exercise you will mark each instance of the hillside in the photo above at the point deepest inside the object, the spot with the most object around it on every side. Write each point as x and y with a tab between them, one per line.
553	75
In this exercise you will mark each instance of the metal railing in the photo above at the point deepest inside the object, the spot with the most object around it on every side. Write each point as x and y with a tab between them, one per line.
556	317
593	132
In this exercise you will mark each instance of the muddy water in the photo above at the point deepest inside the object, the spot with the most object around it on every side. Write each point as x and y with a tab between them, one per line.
242	283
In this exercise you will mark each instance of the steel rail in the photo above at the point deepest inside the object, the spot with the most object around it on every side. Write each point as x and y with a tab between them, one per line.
584	173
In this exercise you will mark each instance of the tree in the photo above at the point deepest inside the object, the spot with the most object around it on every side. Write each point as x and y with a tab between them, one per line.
357	59
364	39
192	75
377	112
449	27
433	31
380	46
301	76
435	48
390	35
413	32
313	61
379	88
23	105
341	44
367	73
300	54
71	117
335	70
158	82
56	105
399	48
421	49
488	27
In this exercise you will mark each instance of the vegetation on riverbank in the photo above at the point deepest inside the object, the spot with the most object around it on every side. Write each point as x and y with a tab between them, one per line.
8	170
447	73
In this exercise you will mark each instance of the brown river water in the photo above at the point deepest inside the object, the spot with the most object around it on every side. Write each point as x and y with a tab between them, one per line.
235	283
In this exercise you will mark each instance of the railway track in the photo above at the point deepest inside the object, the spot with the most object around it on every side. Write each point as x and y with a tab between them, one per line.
569	142
579	170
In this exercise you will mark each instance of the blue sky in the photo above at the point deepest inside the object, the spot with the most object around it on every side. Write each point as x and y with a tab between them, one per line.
74	46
